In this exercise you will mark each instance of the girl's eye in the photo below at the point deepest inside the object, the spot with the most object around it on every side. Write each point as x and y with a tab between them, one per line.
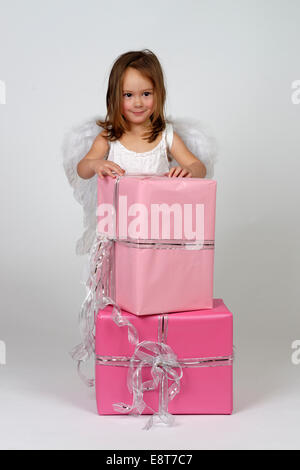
128	95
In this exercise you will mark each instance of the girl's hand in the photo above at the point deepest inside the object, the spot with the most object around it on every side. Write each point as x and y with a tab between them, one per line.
178	171
106	168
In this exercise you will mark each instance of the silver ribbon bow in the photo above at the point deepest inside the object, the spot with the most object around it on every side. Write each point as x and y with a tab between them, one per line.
163	362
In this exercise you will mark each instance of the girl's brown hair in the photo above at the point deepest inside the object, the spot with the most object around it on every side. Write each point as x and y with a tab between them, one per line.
148	64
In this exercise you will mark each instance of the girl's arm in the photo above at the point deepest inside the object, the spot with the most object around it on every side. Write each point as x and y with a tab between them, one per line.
189	165
94	162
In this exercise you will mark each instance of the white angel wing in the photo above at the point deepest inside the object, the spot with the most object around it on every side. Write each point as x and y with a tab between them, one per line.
77	142
197	137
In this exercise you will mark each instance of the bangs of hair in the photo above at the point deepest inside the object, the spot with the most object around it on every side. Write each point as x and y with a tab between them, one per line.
148	65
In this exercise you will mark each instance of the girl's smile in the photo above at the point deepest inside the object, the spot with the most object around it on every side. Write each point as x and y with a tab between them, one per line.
138	96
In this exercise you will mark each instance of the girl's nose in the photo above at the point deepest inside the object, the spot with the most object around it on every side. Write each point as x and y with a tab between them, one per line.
138	101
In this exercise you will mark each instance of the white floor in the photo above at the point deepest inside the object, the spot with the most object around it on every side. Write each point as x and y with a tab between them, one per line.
43	405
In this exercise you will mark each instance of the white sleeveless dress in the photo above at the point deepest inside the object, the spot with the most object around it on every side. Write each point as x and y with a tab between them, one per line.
154	161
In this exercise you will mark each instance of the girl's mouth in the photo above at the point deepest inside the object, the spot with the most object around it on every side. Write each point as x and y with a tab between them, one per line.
138	112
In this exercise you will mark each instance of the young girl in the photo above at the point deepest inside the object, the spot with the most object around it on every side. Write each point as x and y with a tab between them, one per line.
136	137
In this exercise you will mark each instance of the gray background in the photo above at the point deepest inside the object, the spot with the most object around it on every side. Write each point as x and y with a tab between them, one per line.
228	63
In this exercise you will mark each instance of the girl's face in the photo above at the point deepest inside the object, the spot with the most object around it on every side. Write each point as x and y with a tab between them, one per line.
138	97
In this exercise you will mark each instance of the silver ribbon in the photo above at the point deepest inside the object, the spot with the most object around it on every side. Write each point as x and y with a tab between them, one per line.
99	286
163	362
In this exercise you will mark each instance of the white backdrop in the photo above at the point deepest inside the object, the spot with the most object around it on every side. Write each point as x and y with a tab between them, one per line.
228	63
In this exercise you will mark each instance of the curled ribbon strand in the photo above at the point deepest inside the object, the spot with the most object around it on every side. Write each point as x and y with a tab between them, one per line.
98	290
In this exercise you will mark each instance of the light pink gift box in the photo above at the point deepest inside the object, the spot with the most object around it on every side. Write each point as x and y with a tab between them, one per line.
159	275
203	339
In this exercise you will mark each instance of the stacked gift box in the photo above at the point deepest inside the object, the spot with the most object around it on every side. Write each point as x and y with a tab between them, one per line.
169	349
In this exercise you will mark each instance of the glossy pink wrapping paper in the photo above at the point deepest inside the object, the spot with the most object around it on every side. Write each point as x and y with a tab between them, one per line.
154	280
196	334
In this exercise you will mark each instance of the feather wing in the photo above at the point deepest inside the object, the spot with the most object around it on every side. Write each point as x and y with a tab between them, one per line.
77	142
198	139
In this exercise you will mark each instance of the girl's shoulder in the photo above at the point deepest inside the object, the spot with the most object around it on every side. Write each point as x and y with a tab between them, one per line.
169	133
103	133
101	141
